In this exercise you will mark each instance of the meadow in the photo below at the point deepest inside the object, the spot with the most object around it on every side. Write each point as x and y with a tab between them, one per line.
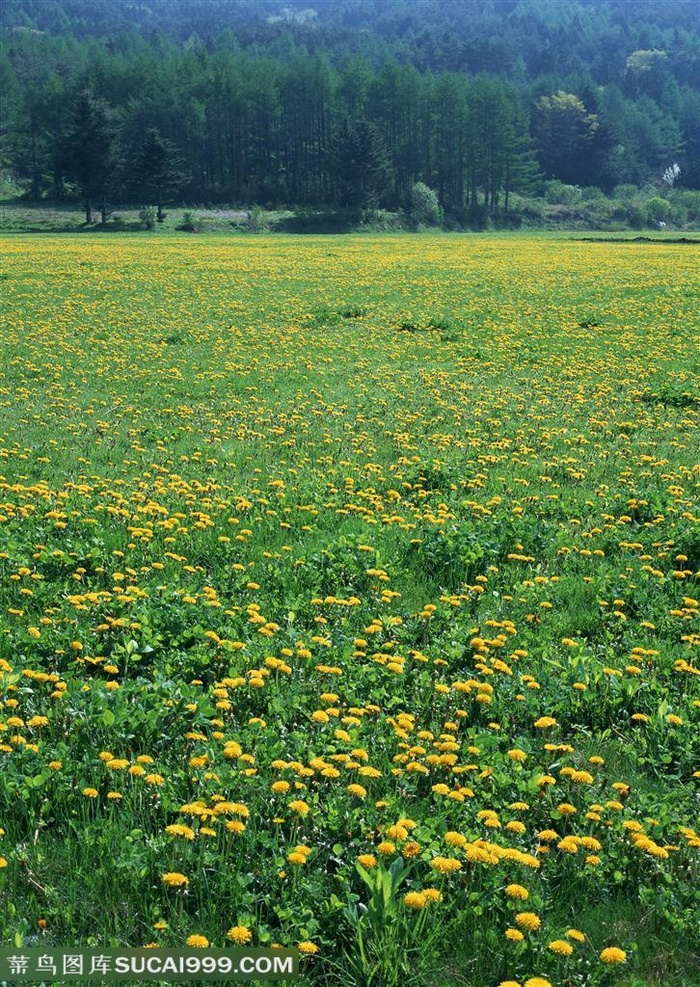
349	601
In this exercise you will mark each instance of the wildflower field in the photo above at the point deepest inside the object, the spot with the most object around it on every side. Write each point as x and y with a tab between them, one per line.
349	600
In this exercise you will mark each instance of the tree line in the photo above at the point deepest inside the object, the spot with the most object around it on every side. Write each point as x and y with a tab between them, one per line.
155	120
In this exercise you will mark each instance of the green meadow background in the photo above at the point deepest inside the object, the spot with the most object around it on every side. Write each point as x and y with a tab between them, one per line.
349	602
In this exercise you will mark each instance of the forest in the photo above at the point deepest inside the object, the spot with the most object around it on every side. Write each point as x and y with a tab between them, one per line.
350	104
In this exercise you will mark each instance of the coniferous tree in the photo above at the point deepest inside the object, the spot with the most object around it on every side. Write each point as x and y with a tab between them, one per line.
158	169
360	165
91	152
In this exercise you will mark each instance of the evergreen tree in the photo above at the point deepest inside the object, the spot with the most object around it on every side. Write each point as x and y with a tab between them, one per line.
360	165
158	169
91	152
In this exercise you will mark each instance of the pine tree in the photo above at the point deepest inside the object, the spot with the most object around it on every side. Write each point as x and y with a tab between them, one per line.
91	152
360	166
158	169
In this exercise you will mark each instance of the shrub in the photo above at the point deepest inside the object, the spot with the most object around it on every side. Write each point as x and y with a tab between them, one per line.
625	191
255	221
657	209
559	194
188	223
424	206
148	215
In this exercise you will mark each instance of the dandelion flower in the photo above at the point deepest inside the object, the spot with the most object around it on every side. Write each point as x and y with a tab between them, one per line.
560	947
445	865
528	920
300	807
613	955
307	948
174	880
415	900
517	891
197	942
455	839
240	934
367	860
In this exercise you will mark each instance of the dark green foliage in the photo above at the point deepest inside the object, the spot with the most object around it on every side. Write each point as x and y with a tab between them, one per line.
359	165
157	170
248	101
90	151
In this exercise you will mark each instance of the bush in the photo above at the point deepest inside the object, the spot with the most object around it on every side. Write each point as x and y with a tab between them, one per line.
255	221
559	194
593	194
688	199
424	209
148	216
188	224
625	191
657	209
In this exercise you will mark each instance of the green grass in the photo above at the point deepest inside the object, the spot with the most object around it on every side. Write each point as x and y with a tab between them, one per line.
376	501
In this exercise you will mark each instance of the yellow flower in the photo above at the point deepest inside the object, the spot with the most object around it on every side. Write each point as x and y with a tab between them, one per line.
174	880
240	934
307	948
509	983
367	860
455	839
515	935
576	935
197	942
90	793
411	849
545	722
528	920
445	865
300	807
358	791
537	982
415	900
386	848
560	947
177	829
517	891
613	955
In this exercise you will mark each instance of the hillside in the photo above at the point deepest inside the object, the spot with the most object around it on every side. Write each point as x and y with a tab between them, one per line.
261	101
